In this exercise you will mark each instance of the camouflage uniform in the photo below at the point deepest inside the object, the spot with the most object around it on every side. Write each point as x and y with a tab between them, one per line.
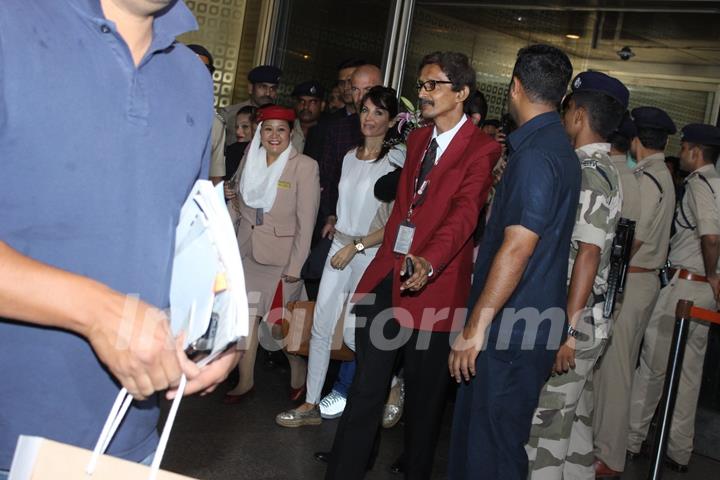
560	444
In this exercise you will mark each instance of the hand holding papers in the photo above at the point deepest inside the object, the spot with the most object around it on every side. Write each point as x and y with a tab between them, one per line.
207	272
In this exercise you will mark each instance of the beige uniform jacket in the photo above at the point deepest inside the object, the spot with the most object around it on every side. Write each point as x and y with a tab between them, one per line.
217	155
284	237
630	189
697	214
657	204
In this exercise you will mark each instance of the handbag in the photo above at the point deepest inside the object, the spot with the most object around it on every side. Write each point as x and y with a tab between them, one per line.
297	328
38	458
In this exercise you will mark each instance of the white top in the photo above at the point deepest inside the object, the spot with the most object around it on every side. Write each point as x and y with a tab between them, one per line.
357	204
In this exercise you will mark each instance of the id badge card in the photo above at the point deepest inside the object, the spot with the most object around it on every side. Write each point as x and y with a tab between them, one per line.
259	216
403	241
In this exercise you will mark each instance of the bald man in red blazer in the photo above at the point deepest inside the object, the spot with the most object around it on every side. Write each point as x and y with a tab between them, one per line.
442	188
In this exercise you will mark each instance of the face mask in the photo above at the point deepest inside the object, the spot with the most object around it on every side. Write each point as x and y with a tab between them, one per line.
631	162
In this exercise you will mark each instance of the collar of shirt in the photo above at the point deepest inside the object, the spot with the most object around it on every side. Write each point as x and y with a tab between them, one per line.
444	139
169	22
591	148
704	169
518	137
645	162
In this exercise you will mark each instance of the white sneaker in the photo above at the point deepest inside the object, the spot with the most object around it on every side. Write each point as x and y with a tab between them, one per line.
332	405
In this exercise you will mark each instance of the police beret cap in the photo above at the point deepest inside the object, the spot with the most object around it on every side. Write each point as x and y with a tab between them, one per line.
701	134
653	117
202	51
265	74
627	127
310	89
599	82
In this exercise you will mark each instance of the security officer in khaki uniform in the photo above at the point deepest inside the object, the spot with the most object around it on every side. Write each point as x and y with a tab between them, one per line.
619	148
263	82
309	104
217	136
694	253
560	444
613	379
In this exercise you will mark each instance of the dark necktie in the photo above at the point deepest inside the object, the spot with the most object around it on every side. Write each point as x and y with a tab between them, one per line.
428	162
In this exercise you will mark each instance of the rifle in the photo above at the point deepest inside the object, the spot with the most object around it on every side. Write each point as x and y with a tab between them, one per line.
619	261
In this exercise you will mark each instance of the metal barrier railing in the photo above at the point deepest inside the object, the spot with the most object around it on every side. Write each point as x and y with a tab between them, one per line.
684	313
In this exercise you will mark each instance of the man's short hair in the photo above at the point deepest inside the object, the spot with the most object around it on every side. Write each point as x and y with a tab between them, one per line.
710	153
455	65
476	103
351	63
619	142
652	138
544	72
604	112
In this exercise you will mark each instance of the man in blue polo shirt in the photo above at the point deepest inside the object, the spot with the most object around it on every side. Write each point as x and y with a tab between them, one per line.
88	214
519	289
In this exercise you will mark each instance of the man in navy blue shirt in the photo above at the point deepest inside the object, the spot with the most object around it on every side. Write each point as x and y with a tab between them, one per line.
88	214
519	289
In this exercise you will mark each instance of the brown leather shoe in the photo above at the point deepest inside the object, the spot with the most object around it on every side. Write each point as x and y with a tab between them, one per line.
603	471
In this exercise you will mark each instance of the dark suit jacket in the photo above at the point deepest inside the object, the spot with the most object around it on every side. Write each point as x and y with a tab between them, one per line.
444	224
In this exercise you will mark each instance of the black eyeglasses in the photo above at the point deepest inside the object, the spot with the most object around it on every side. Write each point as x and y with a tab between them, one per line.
430	85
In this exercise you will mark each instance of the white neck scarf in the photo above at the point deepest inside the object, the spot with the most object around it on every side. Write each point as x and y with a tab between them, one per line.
259	182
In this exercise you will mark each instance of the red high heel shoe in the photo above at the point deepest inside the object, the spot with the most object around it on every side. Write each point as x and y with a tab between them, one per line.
234	399
297	393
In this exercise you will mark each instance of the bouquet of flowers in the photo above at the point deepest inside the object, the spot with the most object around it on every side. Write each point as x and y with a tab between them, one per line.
408	120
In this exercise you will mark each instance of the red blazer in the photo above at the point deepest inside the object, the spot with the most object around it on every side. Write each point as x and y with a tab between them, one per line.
444	224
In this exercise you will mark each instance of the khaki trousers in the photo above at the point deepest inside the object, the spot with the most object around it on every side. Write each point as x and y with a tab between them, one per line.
613	379
650	374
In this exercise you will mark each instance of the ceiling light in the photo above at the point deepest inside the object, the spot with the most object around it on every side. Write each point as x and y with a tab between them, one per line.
572	36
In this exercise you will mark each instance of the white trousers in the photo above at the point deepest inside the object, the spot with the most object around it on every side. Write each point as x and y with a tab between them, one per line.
335	289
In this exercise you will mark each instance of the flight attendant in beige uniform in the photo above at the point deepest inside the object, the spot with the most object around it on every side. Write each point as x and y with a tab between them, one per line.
277	198
694	257
652	236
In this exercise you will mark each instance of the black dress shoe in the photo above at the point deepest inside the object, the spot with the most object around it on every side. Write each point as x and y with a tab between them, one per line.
398	466
632	456
675	466
322	457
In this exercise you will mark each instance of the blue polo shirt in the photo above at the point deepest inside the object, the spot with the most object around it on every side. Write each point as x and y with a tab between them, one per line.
96	158
539	191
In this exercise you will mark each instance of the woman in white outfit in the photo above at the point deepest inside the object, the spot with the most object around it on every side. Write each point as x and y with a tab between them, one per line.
354	245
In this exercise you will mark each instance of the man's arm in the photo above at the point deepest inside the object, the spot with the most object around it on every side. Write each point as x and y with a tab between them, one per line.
506	271
582	279
132	338
710	246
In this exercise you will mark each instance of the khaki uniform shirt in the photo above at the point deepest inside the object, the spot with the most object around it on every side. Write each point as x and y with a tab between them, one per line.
657	203
630	188
297	138
229	113
217	156
697	214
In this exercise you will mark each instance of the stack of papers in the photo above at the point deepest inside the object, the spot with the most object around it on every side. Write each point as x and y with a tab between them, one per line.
208	283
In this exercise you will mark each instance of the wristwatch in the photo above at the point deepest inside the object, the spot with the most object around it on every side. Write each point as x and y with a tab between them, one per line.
572	332
359	247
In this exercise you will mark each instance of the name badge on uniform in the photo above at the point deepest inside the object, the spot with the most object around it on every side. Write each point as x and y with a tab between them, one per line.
259	216
284	185
403	241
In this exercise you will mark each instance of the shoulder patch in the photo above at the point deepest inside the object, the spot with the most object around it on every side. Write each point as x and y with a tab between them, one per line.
589	163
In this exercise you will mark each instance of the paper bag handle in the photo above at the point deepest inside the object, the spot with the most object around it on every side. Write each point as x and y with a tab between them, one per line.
117	413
